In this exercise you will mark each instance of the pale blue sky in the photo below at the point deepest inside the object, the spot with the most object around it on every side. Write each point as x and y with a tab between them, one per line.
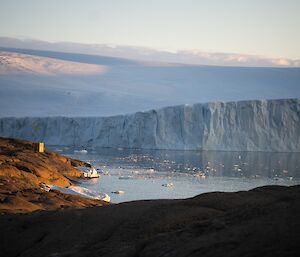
262	27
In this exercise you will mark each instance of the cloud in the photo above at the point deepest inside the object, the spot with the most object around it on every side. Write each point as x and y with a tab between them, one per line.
282	62
232	59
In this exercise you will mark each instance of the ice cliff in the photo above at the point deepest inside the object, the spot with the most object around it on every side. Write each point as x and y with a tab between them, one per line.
258	125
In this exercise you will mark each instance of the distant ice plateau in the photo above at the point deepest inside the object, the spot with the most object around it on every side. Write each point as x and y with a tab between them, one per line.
39	83
254	125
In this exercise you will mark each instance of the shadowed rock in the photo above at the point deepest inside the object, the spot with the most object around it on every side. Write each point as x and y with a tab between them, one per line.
261	222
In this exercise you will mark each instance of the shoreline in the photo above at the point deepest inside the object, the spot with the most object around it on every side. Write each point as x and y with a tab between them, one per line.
24	172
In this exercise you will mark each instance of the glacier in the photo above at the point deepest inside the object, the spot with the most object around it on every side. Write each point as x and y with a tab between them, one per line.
44	83
254	125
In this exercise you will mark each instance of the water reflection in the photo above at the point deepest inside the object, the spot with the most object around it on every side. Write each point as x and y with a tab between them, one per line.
210	163
146	174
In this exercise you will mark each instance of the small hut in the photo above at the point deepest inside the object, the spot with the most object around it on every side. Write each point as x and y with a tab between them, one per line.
40	147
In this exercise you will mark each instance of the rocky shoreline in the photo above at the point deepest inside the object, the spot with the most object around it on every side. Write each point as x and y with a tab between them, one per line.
24	172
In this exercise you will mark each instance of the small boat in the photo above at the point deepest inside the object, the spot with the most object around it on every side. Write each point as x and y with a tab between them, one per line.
91	173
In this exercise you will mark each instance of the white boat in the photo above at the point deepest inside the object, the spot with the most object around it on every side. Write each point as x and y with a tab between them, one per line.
91	173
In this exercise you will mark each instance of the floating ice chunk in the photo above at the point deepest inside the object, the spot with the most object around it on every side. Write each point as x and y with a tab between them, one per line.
118	192
200	175
81	151
278	179
106	198
91	173
168	185
103	172
126	177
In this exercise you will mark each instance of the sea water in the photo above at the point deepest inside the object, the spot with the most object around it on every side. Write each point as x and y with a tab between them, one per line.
162	174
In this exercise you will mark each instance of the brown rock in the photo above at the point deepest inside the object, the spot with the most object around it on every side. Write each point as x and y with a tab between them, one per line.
23	171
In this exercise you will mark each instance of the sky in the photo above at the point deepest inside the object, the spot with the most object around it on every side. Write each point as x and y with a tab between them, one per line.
257	27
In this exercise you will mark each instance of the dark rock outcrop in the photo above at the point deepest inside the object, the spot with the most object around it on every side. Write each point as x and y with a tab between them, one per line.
261	222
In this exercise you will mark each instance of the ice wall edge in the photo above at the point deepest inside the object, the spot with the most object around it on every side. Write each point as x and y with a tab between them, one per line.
256	125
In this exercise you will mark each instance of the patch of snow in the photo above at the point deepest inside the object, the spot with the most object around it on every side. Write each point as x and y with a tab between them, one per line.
16	63
81	191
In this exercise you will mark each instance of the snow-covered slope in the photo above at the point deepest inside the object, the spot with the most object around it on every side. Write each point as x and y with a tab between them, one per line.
44	83
15	63
267	125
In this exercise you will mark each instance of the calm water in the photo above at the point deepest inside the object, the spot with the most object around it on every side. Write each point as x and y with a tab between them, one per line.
141	174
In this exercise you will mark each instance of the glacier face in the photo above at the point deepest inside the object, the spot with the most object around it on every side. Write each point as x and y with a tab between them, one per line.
258	125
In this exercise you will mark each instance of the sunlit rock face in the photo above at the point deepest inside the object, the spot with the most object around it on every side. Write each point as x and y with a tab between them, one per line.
258	125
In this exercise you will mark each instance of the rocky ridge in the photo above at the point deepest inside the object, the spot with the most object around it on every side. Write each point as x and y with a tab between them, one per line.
24	173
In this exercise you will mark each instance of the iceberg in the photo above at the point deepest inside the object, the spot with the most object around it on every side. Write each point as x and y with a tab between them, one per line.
91	173
254	125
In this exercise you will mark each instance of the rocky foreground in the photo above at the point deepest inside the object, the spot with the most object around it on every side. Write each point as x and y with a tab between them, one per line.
24	172
261	222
